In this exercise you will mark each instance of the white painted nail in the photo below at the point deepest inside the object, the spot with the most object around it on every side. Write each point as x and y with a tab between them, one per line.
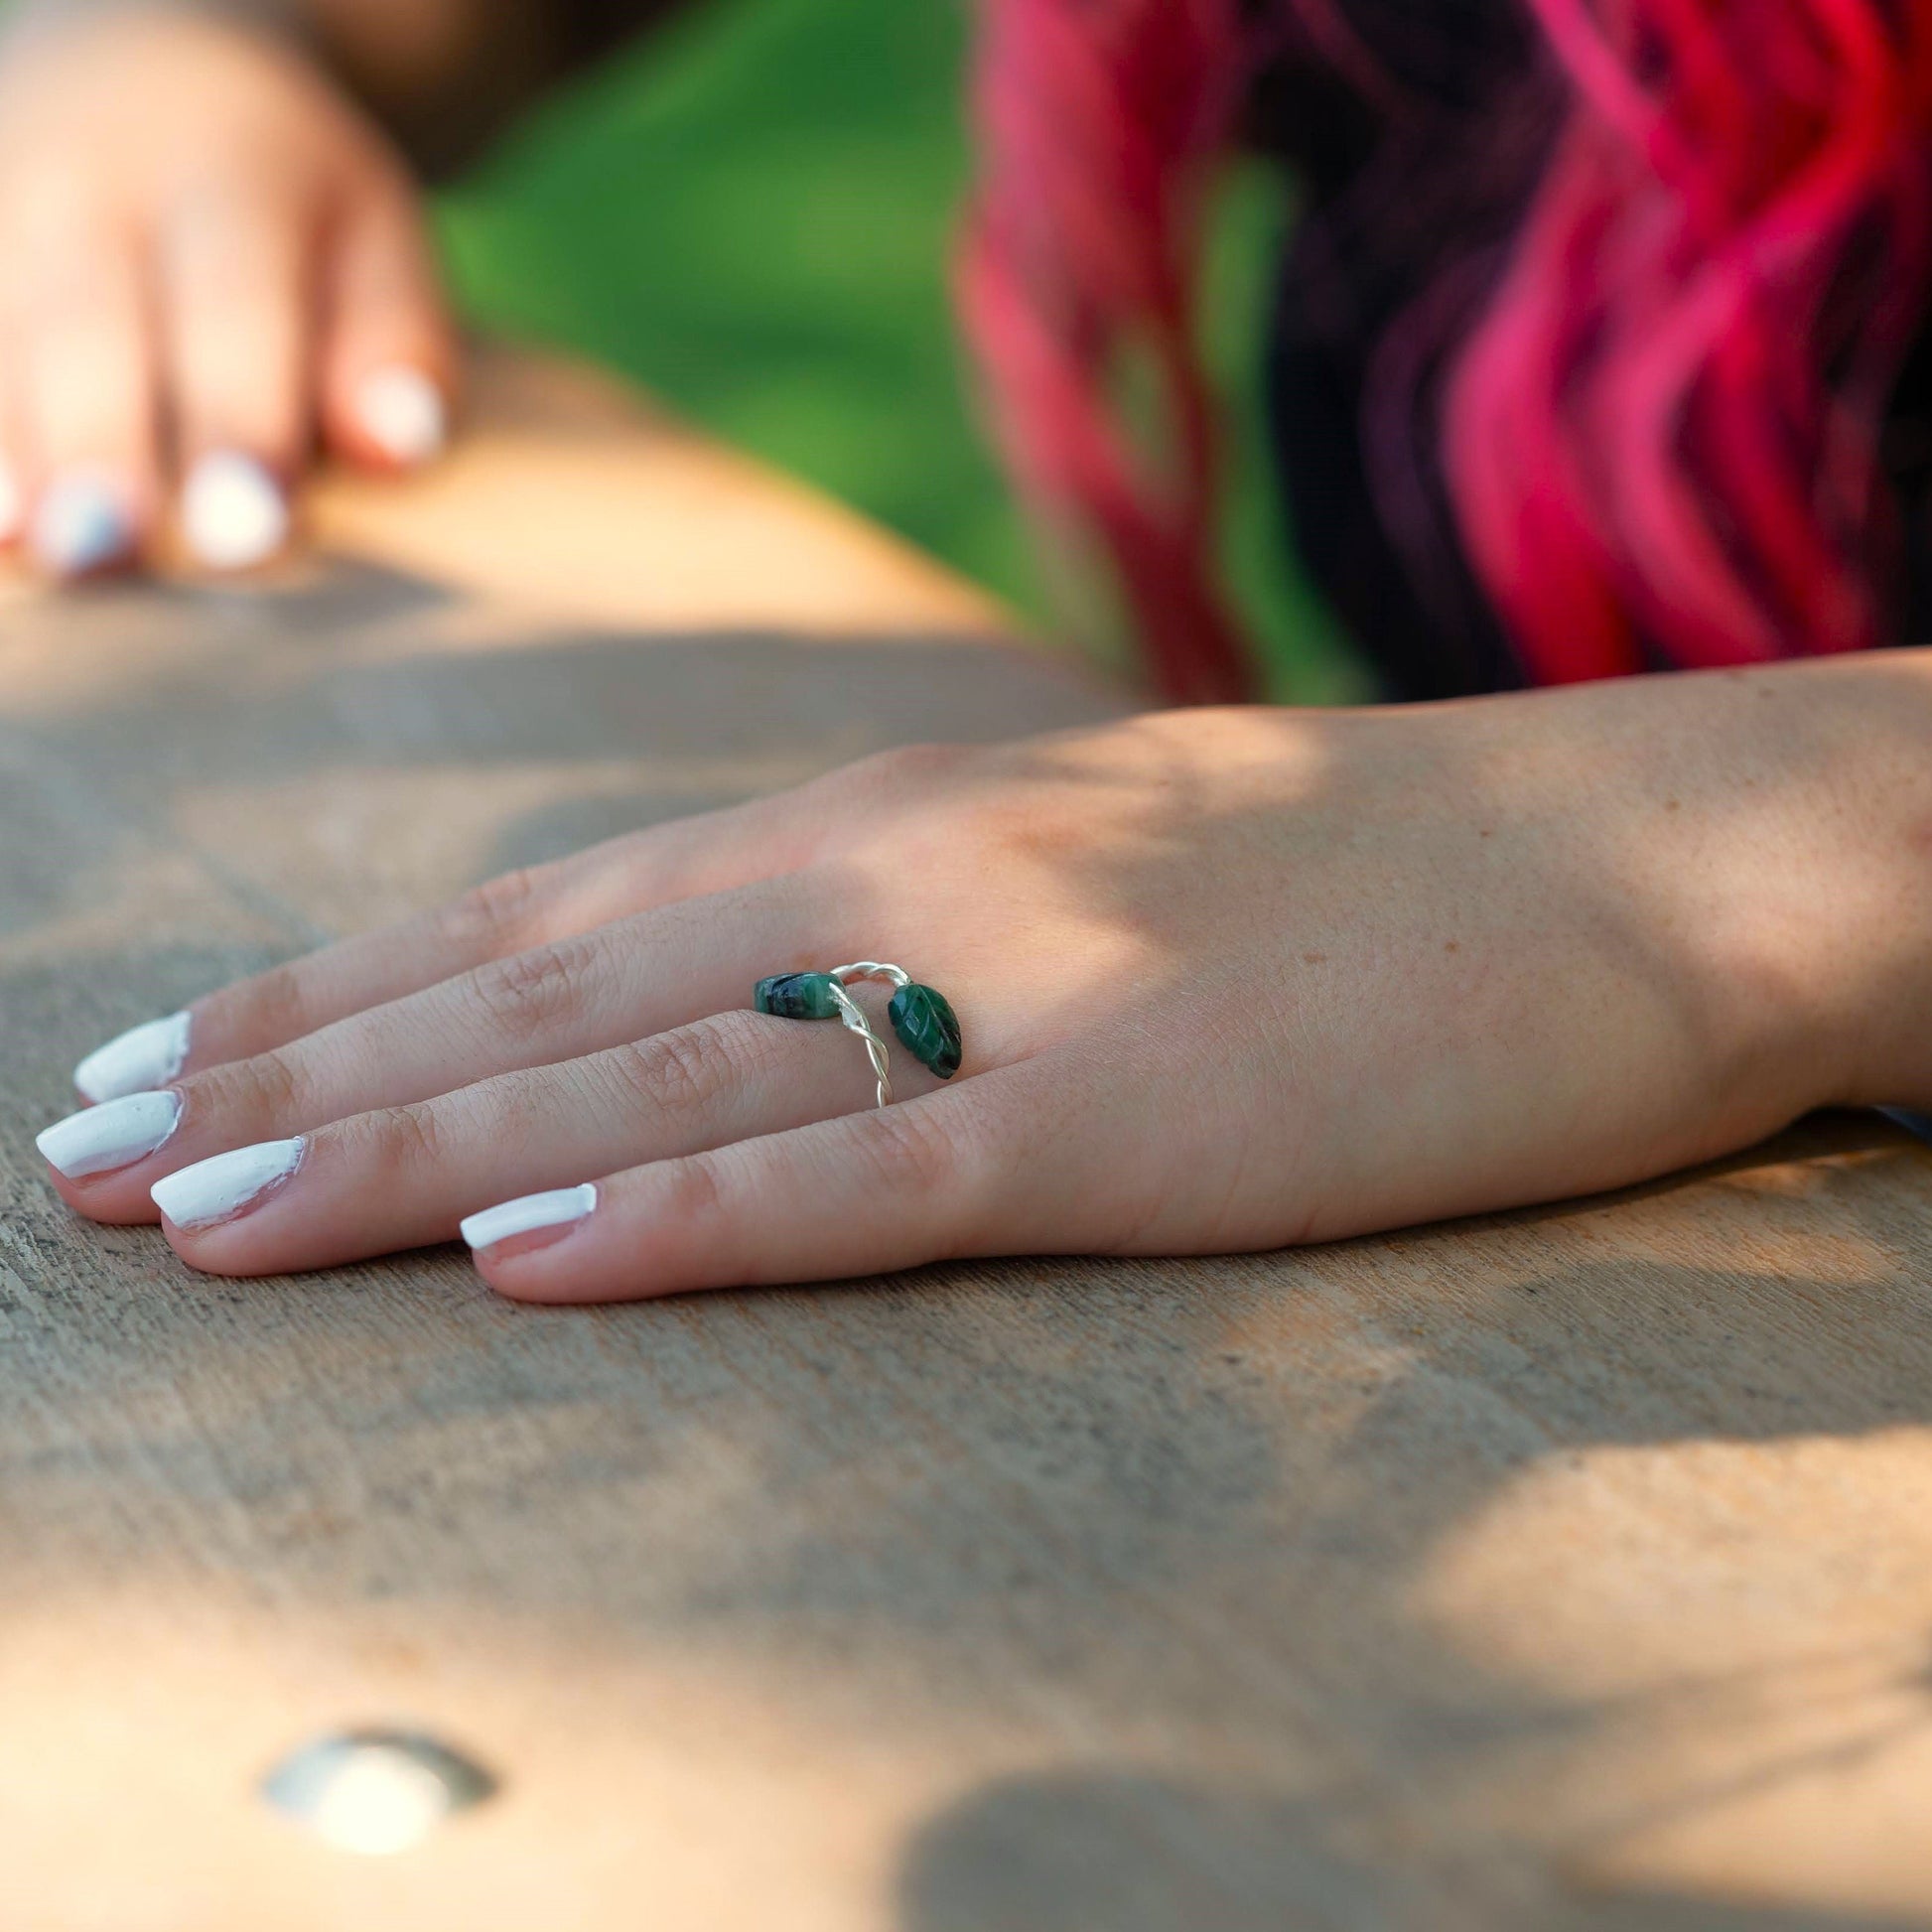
98	1140
403	413
233	513
81	524
137	1061
225	1188
525	1216
13	505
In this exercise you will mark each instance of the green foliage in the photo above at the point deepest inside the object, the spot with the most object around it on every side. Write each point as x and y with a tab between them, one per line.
751	212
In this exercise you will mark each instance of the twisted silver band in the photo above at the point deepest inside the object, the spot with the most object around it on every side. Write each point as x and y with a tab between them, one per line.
922	1016
852	1017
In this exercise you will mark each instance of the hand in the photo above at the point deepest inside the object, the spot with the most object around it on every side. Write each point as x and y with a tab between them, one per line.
1228	979
208	259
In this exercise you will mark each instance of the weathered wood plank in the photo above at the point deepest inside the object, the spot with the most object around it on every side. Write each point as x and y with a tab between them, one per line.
1567	1570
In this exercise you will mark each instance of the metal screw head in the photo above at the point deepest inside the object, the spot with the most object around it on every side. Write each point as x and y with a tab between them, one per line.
376	1791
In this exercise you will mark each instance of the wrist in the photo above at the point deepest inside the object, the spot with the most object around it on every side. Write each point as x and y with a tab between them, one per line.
1828	847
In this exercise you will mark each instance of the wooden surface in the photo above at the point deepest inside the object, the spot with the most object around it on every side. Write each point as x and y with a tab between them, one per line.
1570	1569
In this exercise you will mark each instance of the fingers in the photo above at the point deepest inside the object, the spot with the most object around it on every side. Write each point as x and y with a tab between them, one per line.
405	1178
233	267
222	323
200	239
712	852
974	1170
556	1003
389	357
79	329
506	916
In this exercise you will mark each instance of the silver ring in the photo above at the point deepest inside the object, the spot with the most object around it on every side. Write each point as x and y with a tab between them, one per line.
925	1020
855	1021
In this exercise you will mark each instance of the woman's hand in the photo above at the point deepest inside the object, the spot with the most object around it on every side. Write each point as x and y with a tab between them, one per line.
208	261
1228	979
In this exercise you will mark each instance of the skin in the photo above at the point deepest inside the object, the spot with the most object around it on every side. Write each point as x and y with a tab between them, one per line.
202	248
1228	980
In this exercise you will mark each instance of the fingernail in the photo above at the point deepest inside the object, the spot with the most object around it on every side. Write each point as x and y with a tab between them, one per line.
81	523
228	1186
98	1140
557	1212
403	414
13	505
142	1058
233	512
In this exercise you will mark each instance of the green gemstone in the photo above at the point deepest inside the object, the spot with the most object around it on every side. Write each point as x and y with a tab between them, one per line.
927	1027
796	996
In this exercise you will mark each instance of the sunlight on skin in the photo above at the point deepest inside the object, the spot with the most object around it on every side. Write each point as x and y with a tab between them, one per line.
1349	971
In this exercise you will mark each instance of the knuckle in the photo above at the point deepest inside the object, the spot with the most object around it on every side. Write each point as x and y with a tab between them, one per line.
499	911
745	1042
410	1138
684	1070
694	1194
268	1090
910	1150
274	1006
527	992
279	1079
901	769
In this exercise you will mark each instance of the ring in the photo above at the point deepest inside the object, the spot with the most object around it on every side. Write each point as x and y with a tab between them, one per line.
927	1025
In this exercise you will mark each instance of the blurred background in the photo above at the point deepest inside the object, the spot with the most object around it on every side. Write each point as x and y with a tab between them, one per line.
750	210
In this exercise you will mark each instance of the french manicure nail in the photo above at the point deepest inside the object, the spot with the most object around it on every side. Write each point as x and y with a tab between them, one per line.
81	523
562	1208
403	413
228	1186
136	1061
233	513
98	1140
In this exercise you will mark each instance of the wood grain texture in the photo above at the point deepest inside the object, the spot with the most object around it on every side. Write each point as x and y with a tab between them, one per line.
1568	1569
